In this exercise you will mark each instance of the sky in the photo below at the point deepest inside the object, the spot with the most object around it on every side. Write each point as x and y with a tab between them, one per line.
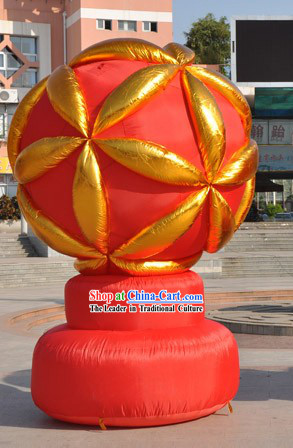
187	11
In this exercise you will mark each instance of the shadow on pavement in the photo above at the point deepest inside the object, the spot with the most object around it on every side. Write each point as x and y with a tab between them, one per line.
261	308
17	407
18	410
35	300
263	385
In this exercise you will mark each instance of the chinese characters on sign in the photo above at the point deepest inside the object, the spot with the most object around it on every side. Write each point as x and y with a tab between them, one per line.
275	158
272	132
260	132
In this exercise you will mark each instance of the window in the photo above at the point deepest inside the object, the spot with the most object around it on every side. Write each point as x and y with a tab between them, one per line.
103	24
8	185
2	126
28	79
150	26
9	63
126	25
5	121
27	46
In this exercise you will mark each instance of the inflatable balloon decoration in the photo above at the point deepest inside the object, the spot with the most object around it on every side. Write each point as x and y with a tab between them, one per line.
134	161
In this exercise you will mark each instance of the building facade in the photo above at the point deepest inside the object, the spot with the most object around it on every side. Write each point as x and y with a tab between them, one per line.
261	66
37	36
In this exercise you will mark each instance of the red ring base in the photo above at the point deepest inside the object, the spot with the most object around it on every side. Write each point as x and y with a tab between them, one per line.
77	301
135	378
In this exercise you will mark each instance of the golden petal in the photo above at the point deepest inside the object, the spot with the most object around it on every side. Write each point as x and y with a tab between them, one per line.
143	267
221	222
181	53
42	155
20	119
89	199
241	167
50	233
208	124
131	49
245	204
132	94
151	160
158	236
67	99
223	85
97	266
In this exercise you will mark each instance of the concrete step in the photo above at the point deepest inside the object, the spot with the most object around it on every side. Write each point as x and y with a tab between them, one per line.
34	283
260	265
34	280
29	320
253	260
266	225
15	242
16	246
31	277
251	274
261	241
265	237
47	273
35	271
274	271
34	268
13	246
17	253
247	296
258	248
278	233
37	281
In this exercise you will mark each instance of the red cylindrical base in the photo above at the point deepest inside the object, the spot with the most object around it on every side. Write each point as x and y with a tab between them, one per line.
134	368
135	378
77	302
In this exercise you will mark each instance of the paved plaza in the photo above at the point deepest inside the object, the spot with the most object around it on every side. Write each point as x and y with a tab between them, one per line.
263	407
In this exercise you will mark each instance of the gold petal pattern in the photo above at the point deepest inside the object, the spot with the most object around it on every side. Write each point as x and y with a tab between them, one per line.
241	167
50	233
146	158
67	99
89	199
133	93
142	267
151	160
43	155
221	222
181	53
245	204
92	267
208	124
158	236
130	49
20	119
223	85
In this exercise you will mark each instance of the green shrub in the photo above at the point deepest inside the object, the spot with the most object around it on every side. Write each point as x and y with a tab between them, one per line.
272	210
9	208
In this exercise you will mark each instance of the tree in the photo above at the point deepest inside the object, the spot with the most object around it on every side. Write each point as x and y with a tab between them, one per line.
209	38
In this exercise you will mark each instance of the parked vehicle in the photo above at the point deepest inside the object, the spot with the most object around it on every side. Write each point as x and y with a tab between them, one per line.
284	217
265	217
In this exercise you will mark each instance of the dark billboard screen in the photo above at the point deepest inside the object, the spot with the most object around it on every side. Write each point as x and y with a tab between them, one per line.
264	50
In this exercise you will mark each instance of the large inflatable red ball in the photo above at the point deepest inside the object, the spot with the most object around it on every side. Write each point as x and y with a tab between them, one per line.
134	161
